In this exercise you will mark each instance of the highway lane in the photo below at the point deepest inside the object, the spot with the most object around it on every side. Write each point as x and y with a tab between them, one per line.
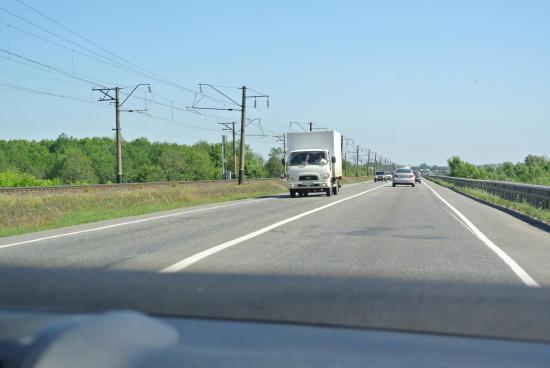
381	232
155	244
398	233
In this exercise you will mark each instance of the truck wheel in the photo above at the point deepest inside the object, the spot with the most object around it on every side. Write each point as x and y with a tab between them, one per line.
393	185
412	185
293	193
306	194
328	191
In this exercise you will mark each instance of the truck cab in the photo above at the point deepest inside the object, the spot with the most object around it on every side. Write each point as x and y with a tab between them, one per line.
309	171
315	169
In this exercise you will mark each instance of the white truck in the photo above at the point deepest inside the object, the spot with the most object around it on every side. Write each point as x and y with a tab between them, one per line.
314	162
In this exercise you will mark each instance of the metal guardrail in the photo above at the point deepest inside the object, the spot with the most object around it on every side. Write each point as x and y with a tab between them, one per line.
88	187
536	195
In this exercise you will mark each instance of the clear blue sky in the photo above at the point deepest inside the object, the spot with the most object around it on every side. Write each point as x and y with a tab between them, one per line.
417	81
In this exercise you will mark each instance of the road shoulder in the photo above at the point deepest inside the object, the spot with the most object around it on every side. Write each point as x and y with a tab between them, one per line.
529	246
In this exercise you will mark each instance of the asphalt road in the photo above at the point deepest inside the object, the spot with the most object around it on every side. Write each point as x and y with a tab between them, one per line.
369	230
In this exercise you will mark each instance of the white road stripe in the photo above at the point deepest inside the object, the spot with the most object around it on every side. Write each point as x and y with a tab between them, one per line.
518	270
129	223
186	262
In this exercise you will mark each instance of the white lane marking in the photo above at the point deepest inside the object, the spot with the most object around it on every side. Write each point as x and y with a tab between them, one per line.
130	222
186	262
518	270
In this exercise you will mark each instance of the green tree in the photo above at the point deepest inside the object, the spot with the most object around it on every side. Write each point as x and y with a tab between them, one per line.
200	163
274	167
101	152
74	160
172	162
463	169
254	166
150	173
76	167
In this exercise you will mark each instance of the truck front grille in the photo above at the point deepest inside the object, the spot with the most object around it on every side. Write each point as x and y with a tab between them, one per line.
309	177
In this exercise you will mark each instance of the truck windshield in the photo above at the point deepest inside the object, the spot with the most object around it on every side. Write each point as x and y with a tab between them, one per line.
308	158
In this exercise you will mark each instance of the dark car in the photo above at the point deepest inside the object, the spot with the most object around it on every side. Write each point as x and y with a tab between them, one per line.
417	176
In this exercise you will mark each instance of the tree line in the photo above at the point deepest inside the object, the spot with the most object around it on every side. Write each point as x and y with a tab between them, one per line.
68	160
534	170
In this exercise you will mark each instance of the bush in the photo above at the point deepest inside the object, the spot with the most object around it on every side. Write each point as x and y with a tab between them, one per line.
76	167
14	178
71	160
534	170
150	173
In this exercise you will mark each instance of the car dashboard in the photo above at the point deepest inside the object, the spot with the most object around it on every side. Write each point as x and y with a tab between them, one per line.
131	339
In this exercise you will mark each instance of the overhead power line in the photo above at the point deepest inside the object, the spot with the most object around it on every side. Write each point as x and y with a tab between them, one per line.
130	66
87	79
117	65
52	68
27	75
100	58
32	90
105	56
72	98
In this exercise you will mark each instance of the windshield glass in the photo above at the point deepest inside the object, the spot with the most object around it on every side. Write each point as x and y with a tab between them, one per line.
308	158
244	140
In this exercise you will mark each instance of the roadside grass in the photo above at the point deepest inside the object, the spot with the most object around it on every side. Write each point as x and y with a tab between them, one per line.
522	207
29	212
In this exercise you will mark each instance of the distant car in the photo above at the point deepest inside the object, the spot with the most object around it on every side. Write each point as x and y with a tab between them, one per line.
417	176
388	176
403	176
379	176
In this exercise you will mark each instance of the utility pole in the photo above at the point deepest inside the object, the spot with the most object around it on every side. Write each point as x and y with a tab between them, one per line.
234	152
224	173
345	163
349	142
118	138
231	128
368	162
311	126
243	124
242	109
357	161
282	138
284	153
116	101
